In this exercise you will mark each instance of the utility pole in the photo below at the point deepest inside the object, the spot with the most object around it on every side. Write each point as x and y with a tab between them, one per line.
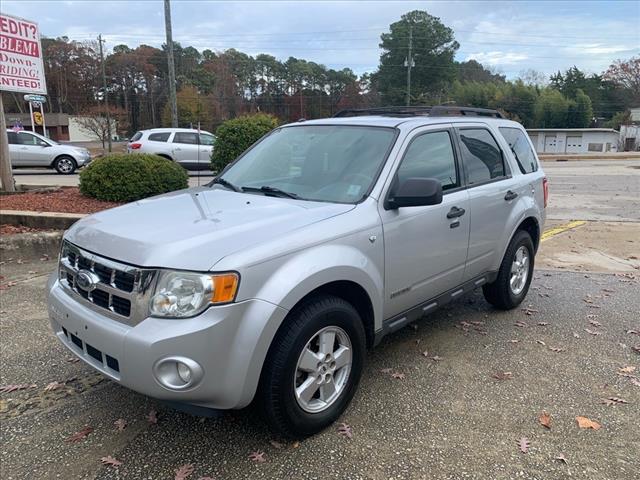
408	62
172	69
104	91
6	175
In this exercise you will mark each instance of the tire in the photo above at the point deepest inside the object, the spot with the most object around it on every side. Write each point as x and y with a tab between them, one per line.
286	412
65	165
504	293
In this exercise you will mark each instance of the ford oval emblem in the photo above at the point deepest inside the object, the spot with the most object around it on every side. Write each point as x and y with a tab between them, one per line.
87	280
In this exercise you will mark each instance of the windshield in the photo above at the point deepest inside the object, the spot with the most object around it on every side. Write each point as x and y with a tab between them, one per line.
327	163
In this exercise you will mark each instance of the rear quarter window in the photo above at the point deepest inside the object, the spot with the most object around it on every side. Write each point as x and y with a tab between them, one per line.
521	149
136	136
160	137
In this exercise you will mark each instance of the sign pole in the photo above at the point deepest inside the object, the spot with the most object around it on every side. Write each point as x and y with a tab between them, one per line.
6	175
44	124
33	127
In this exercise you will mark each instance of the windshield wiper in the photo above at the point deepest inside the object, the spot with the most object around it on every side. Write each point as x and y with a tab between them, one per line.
267	189
226	183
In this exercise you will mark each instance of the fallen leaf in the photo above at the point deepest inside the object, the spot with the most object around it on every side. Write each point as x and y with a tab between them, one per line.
53	386
628	369
575	335
436	358
584	422
614	401
109	460
257	457
14	388
120	424
82	434
73	359
386	371
636	348
595	323
295	444
561	458
183	472
345	430
514	341
543	324
524	444
425	353
591	332
152	417
502	376
398	375
520	324
530	311
276	444
541	342
545	420
557	349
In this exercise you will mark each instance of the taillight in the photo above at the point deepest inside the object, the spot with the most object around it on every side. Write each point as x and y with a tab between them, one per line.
135	146
545	189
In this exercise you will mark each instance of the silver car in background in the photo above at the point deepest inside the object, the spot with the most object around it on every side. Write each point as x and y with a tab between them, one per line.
29	149
188	147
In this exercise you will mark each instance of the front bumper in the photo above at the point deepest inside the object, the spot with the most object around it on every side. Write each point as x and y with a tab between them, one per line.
230	342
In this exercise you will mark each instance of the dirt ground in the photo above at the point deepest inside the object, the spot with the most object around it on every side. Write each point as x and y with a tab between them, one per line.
594	246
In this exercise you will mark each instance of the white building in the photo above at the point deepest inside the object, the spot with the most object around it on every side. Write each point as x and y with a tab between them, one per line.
574	140
77	133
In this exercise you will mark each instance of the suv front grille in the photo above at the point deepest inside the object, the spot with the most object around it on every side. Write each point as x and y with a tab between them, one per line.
121	291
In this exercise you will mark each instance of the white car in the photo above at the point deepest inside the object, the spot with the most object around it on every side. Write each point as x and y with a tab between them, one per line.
29	149
182	145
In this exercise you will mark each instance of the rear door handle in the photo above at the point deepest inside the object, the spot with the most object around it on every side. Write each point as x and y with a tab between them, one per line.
510	195
455	212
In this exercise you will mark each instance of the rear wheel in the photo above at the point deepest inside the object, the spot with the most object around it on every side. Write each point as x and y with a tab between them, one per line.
313	367
514	276
65	165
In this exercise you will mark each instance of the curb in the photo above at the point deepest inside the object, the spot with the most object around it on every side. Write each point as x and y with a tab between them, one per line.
46	220
577	157
31	245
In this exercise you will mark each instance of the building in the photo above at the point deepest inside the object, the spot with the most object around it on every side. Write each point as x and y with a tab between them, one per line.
630	138
574	140
61	127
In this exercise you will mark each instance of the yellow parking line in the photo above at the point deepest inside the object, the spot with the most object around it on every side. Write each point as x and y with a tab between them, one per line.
547	234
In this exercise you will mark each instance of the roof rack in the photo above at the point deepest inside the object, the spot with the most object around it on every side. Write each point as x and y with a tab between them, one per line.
437	111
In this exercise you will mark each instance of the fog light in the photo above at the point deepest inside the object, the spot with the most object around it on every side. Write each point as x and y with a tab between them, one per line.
177	373
184	372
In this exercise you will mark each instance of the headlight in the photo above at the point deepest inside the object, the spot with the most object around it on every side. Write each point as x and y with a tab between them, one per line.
185	294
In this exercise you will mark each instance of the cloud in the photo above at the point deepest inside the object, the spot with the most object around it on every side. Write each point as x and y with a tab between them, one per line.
497	58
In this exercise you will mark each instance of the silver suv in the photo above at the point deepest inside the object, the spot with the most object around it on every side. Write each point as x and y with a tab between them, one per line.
325	236
189	148
29	149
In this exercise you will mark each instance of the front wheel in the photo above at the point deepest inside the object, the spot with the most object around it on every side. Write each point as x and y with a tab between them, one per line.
514	277
313	367
65	165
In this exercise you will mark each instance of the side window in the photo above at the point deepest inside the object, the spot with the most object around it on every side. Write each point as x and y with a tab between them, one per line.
206	139
160	137
186	137
481	154
13	138
137	136
521	149
430	155
28	139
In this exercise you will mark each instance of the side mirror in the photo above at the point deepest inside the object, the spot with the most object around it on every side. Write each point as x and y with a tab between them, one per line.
416	192
44	144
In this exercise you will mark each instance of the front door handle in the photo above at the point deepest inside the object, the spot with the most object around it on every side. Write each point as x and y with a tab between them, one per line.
455	212
510	195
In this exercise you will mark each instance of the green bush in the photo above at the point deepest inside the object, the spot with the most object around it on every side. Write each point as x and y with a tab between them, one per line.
234	136
127	177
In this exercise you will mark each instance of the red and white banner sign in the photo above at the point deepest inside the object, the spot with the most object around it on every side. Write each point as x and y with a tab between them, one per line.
21	67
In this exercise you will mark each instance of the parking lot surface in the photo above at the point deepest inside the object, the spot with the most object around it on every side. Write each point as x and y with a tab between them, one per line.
470	383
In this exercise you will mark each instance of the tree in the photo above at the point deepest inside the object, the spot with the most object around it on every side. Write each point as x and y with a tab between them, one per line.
474	71
579	111
433	50
192	109
94	122
626	75
551	109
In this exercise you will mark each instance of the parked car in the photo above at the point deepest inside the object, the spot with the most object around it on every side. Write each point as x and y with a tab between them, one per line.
30	149
186	146
273	280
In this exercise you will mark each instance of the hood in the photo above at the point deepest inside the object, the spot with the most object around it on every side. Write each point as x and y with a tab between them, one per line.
194	229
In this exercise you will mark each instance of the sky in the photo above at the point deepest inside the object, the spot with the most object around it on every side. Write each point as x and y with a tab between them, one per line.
509	36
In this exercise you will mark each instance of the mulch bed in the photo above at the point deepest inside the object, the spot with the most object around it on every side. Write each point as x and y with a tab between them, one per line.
65	200
6	229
